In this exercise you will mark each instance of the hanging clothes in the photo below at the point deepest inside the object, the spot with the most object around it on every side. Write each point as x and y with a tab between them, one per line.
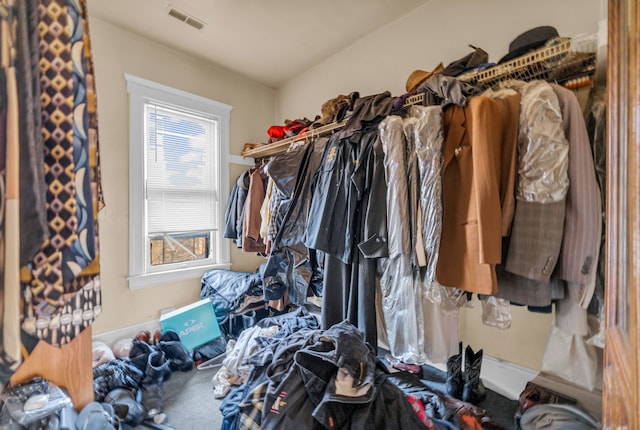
251	239
57	127
349	287
10	238
427	135
57	287
581	231
265	215
396	154
63	276
400	282
417	329
471	241
34	228
440	324
85	269
8	363
595	118
583	217
234	212
347	217
84	249
542	183
513	287
343	180
291	268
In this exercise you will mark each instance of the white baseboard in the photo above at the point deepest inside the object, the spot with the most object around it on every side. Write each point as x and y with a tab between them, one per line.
505	378
110	337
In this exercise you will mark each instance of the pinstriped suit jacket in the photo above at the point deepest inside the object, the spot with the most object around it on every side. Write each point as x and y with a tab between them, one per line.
578	258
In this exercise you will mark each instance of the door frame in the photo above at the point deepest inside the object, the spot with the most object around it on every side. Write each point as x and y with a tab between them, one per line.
621	373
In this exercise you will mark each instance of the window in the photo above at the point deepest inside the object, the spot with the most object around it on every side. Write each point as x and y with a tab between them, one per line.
177	169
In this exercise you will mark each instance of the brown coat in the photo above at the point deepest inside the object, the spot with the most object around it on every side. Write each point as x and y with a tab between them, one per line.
477	186
251	239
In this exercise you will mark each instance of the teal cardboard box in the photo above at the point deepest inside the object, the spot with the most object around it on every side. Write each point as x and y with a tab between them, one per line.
196	324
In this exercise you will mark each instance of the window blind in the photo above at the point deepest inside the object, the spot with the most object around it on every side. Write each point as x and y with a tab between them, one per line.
181	188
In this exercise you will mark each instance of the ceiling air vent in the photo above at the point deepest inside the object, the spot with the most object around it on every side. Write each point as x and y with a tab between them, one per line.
184	17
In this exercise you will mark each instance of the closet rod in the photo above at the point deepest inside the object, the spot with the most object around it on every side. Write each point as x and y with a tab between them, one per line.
269	149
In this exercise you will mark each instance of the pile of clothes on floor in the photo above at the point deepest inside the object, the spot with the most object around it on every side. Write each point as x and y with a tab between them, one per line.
127	385
287	373
129	376
36	404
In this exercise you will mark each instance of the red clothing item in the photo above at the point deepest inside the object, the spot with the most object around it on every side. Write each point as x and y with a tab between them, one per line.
276	132
290	129
468	422
294	127
418	407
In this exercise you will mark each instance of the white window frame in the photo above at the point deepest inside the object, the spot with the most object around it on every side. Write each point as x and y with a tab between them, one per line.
141	274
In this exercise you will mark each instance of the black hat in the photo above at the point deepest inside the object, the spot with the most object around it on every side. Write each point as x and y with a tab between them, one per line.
529	40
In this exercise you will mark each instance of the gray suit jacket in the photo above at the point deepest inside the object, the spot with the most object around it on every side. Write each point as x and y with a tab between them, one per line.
537	230
581	239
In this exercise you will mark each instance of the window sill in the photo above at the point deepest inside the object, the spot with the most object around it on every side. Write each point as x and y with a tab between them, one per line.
137	282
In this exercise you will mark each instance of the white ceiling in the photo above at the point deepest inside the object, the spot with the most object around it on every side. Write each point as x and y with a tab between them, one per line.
270	41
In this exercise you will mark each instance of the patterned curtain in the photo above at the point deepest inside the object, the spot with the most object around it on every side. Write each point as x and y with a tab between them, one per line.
50	190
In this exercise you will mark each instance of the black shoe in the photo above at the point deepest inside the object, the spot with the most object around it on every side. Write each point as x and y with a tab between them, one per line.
169	335
454	381
473	391
175	351
178	356
126	406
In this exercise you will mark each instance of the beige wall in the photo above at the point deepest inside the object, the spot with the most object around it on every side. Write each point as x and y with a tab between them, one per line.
115	52
440	31
436	32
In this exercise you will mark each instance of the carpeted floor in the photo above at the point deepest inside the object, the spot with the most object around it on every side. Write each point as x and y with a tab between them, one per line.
189	402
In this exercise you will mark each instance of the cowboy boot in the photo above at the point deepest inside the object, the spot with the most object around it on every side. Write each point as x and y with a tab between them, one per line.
473	391
157	367
454	374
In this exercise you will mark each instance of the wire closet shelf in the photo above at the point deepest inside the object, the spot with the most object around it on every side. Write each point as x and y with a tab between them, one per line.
557	62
